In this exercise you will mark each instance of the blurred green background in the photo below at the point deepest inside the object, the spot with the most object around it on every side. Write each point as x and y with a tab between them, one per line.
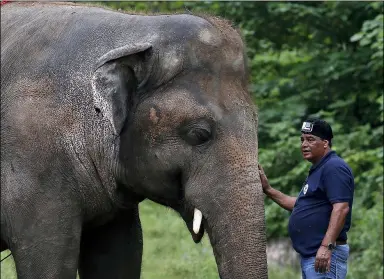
306	59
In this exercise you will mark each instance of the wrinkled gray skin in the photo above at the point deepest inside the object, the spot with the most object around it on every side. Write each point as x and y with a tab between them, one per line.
100	110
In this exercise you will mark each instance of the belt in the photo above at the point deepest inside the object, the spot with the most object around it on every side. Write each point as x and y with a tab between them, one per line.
341	242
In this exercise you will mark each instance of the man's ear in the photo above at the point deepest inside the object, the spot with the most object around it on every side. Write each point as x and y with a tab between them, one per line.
116	77
326	144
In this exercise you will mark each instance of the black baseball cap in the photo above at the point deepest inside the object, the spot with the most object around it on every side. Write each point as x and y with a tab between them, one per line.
317	127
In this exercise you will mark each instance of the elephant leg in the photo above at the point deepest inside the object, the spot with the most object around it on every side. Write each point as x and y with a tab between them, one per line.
113	250
45	245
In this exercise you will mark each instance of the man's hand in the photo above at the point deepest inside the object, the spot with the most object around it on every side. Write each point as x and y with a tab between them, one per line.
323	260
264	180
278	197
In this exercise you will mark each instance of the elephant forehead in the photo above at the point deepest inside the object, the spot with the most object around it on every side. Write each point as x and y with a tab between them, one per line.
173	107
225	91
206	44
163	114
224	47
226	59
169	109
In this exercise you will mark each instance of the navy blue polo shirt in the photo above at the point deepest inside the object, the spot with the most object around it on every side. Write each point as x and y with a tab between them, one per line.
329	181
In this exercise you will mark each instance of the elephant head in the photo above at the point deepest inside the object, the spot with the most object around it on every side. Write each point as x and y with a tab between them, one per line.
186	129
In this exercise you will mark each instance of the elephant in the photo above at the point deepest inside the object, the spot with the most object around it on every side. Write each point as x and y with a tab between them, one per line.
102	109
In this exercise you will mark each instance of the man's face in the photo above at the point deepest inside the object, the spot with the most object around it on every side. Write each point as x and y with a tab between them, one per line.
313	148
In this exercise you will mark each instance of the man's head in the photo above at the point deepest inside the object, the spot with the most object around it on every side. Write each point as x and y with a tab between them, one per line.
316	139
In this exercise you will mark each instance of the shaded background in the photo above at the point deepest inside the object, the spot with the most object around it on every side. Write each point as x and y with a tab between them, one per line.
320	59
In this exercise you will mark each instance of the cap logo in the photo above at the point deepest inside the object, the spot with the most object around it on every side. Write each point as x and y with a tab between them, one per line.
307	127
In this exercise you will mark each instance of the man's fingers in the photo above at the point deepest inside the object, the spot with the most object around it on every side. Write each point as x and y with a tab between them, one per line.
329	265
261	172
260	168
322	266
316	265
325	265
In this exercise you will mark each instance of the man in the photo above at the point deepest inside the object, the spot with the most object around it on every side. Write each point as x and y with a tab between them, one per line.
321	214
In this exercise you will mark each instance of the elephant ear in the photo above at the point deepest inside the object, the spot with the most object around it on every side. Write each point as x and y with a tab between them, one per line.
116	77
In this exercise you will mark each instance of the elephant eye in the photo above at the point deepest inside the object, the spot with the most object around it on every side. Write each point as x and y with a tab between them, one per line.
196	132
198	136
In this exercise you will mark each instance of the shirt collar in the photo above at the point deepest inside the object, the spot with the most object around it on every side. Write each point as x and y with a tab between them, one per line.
322	161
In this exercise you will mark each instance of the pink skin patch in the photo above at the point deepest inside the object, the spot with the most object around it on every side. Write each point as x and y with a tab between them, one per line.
153	116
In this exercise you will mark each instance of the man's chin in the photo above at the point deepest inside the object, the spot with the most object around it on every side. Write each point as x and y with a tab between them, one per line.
307	156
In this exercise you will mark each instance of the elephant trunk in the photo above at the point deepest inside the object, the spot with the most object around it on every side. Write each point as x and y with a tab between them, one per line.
236	228
226	188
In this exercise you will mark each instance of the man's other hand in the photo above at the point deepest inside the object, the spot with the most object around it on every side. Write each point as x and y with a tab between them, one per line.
323	260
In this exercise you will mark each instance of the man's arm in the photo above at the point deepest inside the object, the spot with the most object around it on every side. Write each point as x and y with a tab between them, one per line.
283	200
336	223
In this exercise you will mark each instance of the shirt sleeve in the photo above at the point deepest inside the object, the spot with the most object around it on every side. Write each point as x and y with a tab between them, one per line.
338	184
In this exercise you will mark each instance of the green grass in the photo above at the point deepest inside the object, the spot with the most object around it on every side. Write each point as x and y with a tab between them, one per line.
169	251
7	266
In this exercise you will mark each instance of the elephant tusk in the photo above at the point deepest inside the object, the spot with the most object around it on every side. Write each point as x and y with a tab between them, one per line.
197	217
